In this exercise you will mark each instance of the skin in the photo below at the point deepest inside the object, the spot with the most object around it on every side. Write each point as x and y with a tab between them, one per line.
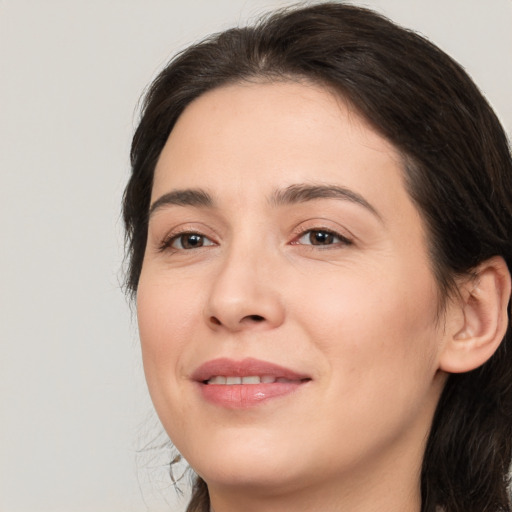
360	318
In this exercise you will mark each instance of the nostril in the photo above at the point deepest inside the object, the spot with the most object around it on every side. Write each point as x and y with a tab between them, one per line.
255	318
214	320
246	319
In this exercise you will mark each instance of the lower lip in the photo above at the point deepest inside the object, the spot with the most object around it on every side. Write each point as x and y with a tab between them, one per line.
241	396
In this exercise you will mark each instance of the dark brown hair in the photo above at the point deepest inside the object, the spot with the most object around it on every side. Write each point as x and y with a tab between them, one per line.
458	171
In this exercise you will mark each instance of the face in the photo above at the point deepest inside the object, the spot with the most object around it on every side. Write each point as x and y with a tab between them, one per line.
287	307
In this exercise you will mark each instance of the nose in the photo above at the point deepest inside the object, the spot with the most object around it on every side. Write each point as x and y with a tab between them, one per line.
245	294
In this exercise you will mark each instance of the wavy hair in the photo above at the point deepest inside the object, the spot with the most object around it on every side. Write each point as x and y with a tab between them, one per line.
457	169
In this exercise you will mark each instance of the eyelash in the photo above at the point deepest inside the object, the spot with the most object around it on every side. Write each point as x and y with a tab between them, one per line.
168	242
342	240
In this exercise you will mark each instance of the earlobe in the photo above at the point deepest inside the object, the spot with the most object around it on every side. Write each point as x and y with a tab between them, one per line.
479	320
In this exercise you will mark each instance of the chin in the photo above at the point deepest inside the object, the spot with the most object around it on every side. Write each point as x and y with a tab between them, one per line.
245	464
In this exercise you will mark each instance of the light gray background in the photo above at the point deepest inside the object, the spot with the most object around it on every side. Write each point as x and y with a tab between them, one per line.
73	406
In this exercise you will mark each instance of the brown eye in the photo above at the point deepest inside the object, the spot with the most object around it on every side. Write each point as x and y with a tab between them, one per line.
322	237
190	241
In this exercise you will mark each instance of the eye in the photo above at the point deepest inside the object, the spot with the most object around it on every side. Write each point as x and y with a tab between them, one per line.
187	241
322	237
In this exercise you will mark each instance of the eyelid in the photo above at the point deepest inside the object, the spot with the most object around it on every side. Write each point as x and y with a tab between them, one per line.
340	238
340	242
320	225
167	241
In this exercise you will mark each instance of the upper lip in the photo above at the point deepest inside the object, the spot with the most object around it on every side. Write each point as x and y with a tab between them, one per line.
244	368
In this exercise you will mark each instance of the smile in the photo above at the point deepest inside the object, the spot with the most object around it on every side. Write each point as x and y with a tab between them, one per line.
251	379
248	383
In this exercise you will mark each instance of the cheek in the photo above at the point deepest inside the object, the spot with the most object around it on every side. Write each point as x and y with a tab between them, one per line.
167	315
380	342
375	327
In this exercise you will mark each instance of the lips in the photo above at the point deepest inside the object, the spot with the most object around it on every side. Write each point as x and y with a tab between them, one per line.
250	379
247	383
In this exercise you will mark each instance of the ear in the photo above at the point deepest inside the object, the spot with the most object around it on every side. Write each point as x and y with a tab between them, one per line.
477	322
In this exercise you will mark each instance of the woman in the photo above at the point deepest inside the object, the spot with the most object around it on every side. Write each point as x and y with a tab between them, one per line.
319	222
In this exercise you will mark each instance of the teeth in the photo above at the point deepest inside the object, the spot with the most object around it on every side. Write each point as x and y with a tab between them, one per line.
251	379
217	380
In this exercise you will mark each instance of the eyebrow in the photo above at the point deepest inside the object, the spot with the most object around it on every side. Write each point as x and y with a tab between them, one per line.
187	197
301	193
294	194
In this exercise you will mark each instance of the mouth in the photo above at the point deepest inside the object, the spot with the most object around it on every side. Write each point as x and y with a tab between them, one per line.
250	379
247	383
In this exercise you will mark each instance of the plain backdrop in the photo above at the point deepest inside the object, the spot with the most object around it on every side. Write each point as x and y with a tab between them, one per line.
74	412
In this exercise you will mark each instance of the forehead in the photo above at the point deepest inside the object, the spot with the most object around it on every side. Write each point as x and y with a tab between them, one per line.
251	138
